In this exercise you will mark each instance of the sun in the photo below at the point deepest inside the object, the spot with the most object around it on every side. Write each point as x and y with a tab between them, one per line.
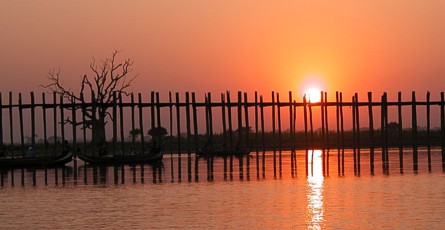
313	94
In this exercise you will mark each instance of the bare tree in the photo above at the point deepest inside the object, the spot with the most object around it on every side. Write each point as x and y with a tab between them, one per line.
109	76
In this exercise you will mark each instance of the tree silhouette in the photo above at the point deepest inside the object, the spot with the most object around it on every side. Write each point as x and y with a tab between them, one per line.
393	127
135	133
109	77
157	133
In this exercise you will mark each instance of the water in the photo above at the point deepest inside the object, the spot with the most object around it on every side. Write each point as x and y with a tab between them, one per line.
258	195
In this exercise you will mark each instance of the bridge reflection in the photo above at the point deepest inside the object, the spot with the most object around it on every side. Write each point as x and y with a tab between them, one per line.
315	165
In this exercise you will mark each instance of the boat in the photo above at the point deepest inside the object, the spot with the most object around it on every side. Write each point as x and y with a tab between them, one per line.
36	161
153	156
201	152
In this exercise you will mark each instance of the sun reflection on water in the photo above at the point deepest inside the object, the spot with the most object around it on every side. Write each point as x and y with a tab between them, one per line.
314	190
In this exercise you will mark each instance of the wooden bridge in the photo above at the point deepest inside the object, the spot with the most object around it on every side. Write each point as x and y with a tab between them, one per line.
258	124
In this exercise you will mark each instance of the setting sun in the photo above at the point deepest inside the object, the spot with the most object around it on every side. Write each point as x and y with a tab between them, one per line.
313	94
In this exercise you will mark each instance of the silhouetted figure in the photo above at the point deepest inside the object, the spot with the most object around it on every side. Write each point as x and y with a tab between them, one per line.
155	147
118	152
132	150
103	151
66	148
29	153
237	146
78	151
46	144
3	151
208	147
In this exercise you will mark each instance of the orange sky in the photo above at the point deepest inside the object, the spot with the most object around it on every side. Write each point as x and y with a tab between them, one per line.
349	46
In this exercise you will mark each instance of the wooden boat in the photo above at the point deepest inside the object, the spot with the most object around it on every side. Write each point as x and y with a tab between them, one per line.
151	157
221	153
39	161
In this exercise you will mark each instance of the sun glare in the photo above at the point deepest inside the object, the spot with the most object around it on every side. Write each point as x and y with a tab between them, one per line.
313	94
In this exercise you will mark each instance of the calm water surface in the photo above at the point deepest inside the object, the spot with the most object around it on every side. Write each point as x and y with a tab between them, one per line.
255	193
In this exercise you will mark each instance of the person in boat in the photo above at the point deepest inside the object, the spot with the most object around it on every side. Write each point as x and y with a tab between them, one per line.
78	151
155	147
208	147
103	151
118	152
29	153
237	147
66	147
132	150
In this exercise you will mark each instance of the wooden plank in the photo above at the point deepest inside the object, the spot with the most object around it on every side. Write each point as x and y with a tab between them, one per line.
279	133
337	116
240	132
354	133
263	141
239	120
45	130
158	110
1	125
382	131
84	125
188	123
326	122
178	129
133	126
306	139
280	142
294	127
11	126
257	135
195	121
273	125
209	98
229	117
357	125
399	112
178	125
33	121
74	124
189	135
246	119
311	126
152	110
195	133
93	121
428	129
386	131
62	119
256	123
322	106
442	127
224	131
414	131
141	123
121	123
114	120
342	131
170	108
371	132
22	137
291	130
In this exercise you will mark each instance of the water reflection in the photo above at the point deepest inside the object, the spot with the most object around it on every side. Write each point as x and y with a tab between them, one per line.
119	174
314	190
258	166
